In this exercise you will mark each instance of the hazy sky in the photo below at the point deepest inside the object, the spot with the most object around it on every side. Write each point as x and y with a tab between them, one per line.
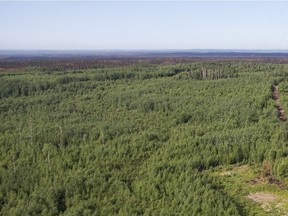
144	25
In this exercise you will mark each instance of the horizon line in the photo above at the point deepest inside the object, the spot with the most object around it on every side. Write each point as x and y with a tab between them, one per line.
148	49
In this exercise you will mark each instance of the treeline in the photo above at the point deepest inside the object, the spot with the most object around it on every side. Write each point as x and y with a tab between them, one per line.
62	63
81	63
15	86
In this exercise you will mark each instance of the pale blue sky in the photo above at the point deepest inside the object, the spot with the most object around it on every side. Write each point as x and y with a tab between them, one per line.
144	25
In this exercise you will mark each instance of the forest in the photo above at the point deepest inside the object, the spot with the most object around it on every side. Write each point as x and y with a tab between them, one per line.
150	136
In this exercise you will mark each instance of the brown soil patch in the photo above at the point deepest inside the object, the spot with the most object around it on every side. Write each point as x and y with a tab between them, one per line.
267	180
269	202
264	198
261	197
235	170
277	182
257	180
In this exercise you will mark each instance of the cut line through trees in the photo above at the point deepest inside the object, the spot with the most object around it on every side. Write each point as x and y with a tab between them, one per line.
281	113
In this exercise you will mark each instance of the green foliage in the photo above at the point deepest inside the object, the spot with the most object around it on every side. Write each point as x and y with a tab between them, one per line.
135	139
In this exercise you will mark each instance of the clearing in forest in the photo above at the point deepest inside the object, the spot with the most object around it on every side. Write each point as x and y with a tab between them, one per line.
269	202
249	182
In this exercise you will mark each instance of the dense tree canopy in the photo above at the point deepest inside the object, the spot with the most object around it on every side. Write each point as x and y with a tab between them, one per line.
134	139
